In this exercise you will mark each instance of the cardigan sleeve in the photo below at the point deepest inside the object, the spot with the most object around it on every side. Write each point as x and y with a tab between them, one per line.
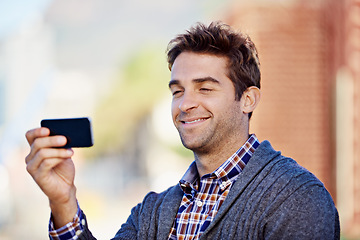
86	234
127	231
309	213
130	229
143	222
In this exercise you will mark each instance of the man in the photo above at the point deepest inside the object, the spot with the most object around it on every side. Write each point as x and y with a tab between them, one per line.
236	188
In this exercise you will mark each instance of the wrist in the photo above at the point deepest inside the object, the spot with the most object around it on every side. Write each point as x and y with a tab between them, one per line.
63	212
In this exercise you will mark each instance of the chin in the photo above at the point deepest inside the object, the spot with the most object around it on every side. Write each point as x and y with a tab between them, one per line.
189	145
195	147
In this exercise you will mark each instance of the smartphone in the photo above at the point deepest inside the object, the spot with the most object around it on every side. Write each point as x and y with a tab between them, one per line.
77	131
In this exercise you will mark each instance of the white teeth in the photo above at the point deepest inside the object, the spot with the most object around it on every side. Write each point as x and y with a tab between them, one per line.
197	120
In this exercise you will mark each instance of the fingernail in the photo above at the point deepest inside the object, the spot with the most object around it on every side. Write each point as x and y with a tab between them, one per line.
61	140
44	131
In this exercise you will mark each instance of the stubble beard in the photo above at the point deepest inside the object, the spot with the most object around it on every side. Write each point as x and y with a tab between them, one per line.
202	143
196	148
211	141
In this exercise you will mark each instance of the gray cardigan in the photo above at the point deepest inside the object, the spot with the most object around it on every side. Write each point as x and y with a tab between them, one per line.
273	198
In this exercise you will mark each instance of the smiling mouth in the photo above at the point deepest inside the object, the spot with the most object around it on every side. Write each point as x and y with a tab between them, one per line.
194	121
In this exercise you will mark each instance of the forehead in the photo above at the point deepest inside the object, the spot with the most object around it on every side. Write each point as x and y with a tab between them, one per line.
190	65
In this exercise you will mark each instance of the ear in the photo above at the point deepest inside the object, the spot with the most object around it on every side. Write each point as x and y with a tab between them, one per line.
250	98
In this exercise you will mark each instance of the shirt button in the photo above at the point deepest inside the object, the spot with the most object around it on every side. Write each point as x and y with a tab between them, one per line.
78	232
199	203
83	222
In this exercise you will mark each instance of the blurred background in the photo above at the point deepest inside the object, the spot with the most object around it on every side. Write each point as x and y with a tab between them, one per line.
106	60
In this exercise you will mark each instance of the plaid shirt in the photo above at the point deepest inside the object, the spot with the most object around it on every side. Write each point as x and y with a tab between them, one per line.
202	200
71	230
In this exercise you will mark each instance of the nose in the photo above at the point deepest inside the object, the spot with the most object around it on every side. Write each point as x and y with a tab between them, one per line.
188	101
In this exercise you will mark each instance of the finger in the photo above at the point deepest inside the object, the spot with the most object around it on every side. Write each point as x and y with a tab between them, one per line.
47	165
43	173
47	153
50	164
32	134
45	142
49	142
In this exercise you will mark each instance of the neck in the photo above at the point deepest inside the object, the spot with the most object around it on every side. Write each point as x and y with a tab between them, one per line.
209	161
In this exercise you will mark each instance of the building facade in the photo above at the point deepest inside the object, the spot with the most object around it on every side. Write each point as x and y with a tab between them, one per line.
310	107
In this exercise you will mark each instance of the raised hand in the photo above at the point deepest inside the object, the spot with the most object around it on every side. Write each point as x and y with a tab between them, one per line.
53	170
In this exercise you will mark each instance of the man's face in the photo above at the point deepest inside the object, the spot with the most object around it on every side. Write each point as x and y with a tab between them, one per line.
204	109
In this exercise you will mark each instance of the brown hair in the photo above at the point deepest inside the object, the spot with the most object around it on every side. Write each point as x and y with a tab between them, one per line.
219	39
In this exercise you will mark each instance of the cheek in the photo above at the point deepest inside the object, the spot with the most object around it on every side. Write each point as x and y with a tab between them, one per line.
228	110
174	111
216	105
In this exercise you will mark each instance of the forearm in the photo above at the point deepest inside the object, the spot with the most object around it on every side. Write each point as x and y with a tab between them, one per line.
64	211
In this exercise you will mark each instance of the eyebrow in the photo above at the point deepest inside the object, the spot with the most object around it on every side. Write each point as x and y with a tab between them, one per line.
173	82
196	80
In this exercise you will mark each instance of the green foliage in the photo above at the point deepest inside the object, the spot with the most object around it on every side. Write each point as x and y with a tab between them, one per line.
140	85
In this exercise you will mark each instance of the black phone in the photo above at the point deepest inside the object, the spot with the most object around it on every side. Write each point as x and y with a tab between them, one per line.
77	131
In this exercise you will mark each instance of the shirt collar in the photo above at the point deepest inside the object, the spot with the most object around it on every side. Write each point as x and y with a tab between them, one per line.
227	172
190	178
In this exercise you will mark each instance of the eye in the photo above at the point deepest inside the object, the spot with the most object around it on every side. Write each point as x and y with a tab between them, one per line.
176	92
205	89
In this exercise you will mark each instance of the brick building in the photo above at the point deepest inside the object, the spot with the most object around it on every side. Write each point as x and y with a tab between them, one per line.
310	107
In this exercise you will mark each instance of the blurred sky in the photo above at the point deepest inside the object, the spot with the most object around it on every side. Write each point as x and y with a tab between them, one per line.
15	12
46	45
